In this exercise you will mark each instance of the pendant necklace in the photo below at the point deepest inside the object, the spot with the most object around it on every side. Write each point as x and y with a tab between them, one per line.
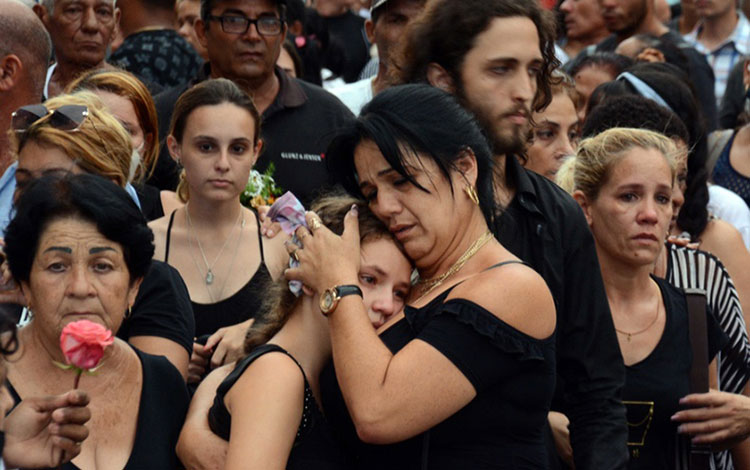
634	333
210	272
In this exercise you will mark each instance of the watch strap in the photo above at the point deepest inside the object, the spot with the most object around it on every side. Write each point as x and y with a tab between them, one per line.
348	289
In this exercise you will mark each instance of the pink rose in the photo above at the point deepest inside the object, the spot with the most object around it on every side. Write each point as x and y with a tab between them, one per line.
83	342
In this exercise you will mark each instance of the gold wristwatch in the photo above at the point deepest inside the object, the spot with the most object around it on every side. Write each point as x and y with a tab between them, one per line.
329	299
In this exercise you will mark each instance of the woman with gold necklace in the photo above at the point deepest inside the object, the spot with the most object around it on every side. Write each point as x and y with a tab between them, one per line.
464	377
624	180
213	241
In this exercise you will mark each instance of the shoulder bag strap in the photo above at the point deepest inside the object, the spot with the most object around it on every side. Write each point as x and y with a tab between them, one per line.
700	455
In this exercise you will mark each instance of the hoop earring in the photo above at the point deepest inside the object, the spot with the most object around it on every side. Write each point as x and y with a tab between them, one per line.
472	193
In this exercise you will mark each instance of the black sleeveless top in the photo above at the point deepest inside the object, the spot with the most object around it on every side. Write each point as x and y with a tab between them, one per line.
242	305
161	412
501	428
314	447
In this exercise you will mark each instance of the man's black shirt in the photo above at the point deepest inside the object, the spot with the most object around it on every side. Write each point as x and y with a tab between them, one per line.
546	228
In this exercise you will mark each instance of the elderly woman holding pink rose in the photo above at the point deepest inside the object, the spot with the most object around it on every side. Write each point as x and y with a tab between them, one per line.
79	248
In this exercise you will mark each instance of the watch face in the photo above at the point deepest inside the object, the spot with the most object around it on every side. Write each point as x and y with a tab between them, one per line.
327	302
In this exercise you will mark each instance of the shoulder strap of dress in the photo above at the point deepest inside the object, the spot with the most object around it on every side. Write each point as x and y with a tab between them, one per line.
169	234
512	261
13	394
260	239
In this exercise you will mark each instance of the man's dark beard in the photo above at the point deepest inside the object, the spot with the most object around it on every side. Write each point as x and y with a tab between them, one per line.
499	144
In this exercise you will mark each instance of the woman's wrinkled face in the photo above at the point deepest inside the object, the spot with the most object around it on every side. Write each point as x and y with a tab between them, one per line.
555	136
630	216
384	276
421	221
218	150
77	274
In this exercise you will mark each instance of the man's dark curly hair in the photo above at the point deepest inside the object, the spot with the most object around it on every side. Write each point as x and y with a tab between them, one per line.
446	32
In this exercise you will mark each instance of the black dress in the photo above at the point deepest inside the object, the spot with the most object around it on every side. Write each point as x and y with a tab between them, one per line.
314	447
161	412
502	428
240	306
654	386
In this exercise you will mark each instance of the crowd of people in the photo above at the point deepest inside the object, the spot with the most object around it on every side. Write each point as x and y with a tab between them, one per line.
360	234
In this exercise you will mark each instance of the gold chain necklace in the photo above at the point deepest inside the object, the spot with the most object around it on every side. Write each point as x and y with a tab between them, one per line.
432	283
658	304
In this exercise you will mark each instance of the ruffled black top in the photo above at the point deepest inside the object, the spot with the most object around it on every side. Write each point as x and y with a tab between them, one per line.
502	428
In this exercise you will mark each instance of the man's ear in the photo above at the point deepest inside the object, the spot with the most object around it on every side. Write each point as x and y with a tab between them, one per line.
438	77
10	72
200	32
585	204
370	31
41	12
116	30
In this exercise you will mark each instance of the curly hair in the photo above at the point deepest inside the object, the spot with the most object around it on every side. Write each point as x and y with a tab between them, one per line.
446	32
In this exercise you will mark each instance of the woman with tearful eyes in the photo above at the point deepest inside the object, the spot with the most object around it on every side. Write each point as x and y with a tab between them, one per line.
464	377
213	241
556	130
266	408
79	248
623	179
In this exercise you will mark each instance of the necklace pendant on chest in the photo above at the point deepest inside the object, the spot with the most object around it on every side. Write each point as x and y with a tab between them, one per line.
209	277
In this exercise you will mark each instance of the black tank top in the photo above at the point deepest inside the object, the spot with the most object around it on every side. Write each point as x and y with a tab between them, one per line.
314	446
242	305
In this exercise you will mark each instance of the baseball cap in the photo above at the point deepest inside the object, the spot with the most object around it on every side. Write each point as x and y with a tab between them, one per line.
377	4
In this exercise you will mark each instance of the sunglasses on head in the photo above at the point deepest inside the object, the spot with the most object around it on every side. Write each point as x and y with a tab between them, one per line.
68	117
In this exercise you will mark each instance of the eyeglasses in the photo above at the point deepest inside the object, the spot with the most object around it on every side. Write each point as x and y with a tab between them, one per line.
266	25
68	117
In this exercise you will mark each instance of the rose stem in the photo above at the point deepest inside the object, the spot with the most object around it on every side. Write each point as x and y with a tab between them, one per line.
75	387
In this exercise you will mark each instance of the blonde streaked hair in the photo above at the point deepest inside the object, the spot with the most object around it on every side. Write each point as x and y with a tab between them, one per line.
592	164
100	145
127	85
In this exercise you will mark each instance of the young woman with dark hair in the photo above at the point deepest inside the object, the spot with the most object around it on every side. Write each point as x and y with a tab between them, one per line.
213	241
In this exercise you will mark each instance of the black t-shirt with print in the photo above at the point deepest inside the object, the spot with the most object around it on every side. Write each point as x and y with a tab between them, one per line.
654	386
